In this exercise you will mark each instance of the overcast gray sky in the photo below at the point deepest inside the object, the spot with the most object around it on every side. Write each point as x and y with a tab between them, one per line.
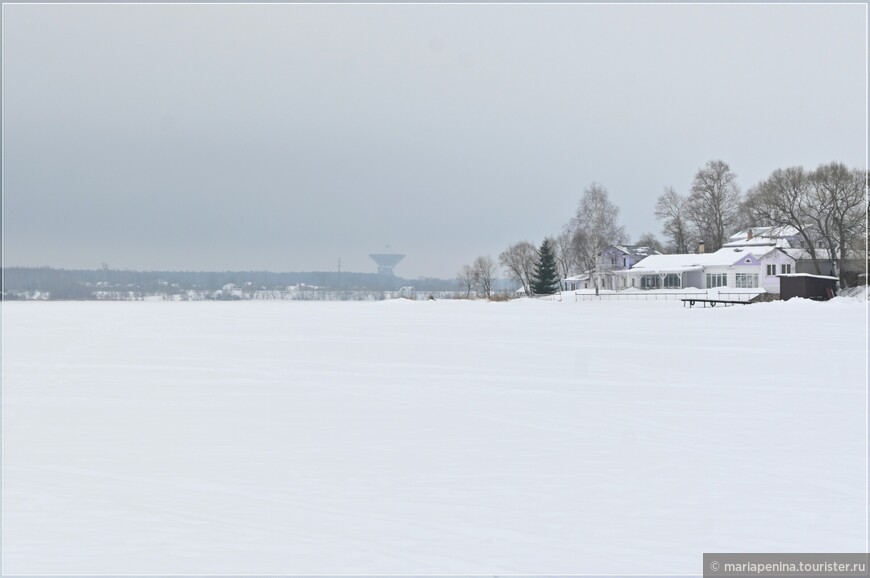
284	137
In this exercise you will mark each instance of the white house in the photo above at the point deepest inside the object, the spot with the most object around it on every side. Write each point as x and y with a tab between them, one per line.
773	264
753	258
575	282
613	258
618	258
739	267
791	242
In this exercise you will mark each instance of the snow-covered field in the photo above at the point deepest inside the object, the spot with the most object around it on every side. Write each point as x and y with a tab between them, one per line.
428	437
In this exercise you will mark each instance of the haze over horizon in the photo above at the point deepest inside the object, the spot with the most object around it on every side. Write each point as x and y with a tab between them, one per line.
285	137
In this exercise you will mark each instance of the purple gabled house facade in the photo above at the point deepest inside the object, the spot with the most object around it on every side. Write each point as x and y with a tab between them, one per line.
621	258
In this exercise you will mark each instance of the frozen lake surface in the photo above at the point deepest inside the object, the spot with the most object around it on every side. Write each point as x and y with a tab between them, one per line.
428	437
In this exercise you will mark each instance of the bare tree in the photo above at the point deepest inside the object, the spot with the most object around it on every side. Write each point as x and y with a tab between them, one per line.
837	196
784	198
824	206
744	219
566	257
672	210
484	272
864	244
520	260
594	228
713	203
650	240
467	279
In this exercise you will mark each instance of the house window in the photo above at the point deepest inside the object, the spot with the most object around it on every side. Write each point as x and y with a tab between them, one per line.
625	262
717	280
746	280
650	282
771	270
785	269
672	281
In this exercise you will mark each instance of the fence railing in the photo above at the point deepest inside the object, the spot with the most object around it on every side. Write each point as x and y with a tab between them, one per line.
664	296
352	295
554	297
639	296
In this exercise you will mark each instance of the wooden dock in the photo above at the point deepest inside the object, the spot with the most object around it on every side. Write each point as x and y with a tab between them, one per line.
713	302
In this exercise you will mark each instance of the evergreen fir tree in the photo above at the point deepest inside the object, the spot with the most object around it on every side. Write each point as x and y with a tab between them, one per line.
545	280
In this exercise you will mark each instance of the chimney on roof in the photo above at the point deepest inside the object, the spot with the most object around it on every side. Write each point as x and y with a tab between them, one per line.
749	235
700	246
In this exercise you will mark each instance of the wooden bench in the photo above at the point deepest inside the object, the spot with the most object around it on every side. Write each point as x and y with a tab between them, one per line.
713	302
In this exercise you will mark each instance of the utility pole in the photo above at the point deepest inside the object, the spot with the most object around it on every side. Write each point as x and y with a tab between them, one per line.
340	296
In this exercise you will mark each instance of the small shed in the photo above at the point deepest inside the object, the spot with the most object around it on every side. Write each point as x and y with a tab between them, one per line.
818	287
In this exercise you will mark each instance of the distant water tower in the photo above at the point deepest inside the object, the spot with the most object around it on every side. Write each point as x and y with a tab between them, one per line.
386	262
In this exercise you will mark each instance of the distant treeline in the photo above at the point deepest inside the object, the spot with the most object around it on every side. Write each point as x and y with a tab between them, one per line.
89	284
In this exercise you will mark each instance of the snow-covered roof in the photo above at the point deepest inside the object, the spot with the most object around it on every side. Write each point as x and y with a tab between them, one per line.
675	268
694	261
580	277
773	232
681	261
639	251
760	242
758	251
808	275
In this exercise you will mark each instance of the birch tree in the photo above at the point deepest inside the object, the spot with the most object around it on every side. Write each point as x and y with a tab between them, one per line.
594	227
566	256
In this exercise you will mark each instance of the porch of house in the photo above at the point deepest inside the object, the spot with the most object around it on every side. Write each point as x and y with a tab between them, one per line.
674	279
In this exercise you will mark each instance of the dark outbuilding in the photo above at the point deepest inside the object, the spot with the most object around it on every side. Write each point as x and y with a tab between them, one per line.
818	287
